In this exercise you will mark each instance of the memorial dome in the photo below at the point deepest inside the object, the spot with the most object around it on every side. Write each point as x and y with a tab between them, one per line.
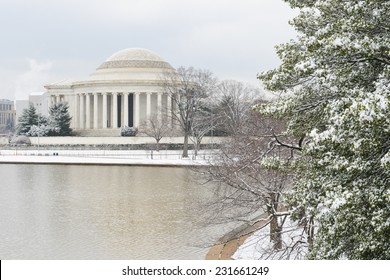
132	64
135	58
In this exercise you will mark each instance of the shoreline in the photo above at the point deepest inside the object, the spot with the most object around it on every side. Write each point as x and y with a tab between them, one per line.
171	158
64	160
228	244
151	164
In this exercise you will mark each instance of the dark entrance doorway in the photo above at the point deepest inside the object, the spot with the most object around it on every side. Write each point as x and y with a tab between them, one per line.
130	116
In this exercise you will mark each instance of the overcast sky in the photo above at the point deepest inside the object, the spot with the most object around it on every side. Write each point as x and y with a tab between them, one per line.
44	41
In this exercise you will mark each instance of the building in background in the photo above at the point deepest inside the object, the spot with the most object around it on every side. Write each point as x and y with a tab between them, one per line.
20	105
39	101
7	116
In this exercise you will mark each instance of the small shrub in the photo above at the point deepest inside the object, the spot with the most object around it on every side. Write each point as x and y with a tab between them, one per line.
20	140
129	131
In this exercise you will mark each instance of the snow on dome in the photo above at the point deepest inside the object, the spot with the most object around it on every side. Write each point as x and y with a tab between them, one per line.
135	58
134	54
133	64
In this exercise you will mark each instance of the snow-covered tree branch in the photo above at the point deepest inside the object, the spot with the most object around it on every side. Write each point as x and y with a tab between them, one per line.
334	79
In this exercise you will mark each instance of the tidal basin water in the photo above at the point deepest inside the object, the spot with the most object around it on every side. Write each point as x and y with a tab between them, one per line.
101	212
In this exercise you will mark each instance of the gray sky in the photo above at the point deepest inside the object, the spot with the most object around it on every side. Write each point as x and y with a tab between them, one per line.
44	41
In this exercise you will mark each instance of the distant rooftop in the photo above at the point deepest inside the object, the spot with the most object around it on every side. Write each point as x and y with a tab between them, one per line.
6	101
38	93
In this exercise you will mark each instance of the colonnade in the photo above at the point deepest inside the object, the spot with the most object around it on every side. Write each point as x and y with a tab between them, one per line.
116	109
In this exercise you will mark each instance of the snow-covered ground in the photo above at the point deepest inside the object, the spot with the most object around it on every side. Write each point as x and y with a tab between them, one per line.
104	157
258	246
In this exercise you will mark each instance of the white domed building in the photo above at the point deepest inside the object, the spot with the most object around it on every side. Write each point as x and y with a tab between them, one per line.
124	91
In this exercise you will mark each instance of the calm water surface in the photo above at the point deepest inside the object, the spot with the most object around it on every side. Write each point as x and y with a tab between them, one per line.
101	212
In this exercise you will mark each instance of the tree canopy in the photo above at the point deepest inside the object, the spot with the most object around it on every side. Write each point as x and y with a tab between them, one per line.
27	119
57	124
60	119
335	95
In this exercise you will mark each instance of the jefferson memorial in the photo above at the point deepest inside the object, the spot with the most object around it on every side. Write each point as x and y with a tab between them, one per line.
125	90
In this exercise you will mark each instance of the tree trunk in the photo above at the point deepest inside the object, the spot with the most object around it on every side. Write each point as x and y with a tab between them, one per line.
196	148
275	230
158	145
310	234
276	233
185	146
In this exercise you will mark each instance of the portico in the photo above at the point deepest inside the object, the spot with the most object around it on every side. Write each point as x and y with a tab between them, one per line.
117	109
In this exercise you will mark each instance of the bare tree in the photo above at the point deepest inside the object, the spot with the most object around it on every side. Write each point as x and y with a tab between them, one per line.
188	88
157	128
245	177
204	121
234	100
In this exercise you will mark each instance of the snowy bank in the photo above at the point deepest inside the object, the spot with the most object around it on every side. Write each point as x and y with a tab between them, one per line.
259	247
102	157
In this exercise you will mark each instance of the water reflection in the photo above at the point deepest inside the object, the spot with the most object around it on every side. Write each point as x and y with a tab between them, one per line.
96	212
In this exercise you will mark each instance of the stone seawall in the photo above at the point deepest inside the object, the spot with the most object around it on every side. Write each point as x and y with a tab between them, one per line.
69	140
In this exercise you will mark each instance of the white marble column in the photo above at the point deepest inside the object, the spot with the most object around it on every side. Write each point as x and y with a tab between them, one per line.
87	111
148	106
95	110
177	104
82	114
105	110
136	109
114	110
76	110
159	106
125	109
169	110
